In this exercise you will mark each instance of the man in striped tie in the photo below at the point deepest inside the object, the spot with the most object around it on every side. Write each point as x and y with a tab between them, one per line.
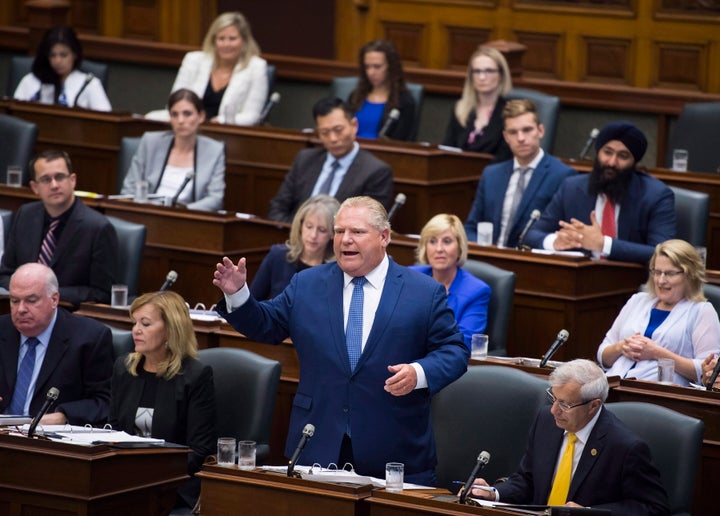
44	346
60	231
581	455
616	211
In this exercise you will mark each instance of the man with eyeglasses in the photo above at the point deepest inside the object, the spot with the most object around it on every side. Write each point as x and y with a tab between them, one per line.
510	191
340	168
76	242
616	211
580	455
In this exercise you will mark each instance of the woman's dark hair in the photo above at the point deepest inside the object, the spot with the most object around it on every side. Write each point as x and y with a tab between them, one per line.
41	67
185	94
395	75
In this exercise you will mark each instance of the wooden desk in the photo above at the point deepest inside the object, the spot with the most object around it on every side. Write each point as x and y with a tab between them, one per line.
43	477
417	502
553	292
233	491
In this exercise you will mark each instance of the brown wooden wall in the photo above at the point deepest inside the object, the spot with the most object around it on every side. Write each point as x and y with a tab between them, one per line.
642	43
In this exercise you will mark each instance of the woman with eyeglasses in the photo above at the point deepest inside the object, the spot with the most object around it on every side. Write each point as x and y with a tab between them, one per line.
381	88
56	77
672	319
476	123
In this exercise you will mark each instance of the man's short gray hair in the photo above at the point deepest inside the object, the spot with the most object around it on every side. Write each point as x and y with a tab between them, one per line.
592	379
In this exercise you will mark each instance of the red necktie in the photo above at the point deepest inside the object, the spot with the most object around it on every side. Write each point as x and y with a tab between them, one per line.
608	219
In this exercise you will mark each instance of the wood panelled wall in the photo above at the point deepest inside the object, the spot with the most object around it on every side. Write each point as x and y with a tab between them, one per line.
671	44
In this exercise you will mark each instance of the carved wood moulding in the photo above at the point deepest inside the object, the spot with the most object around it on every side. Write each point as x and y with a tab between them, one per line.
607	60
543	57
462	42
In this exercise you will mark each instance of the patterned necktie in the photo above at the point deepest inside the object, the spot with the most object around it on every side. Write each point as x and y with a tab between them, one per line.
353	332
517	196
608	219
24	375
47	249
325	188
561	484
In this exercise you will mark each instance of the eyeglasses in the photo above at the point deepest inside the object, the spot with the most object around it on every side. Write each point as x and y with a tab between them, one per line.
58	178
484	71
565	407
668	274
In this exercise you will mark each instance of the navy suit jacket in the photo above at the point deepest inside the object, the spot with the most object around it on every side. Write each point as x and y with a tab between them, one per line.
490	196
78	361
615	471
647	216
412	324
274	273
366	175
85	257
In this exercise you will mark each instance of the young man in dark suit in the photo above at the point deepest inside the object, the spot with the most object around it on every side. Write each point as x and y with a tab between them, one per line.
340	168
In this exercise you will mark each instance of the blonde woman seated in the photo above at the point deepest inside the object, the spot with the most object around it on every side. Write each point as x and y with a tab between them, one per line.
671	320
310	244
162	390
444	247
228	74
165	158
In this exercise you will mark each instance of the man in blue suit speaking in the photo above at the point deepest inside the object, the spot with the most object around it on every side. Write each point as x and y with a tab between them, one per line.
510	191
616	211
375	341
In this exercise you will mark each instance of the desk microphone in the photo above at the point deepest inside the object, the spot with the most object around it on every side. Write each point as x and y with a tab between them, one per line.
50	398
399	201
188	177
482	461
171	277
393	116
589	143
534	216
562	336
714	375
273	101
307	433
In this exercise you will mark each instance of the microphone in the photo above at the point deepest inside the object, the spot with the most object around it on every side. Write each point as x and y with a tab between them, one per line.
482	461
562	336
169	280
188	178
273	101
534	216
392	117
399	201
307	433
50	398
714	375
589	143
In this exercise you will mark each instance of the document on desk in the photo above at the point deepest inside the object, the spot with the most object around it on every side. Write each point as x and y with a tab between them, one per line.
341	476
87	436
14	420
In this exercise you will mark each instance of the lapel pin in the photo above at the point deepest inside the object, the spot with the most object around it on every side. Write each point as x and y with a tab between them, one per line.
593	452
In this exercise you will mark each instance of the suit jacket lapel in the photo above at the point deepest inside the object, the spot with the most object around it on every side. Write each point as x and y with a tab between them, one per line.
348	186
314	168
9	351
334	288
537	178
69	233
59	342
498	200
547	460
628	209
593	449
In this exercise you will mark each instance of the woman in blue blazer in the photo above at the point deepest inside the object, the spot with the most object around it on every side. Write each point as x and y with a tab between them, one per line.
443	247
310	244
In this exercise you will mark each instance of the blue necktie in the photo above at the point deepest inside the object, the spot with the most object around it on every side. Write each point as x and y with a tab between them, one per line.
22	383
325	188
353	332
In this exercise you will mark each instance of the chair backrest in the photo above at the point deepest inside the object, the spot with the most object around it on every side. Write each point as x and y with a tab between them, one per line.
696	132
502	286
20	66
6	221
131	245
488	408
675	441
342	87
712	293
18	139
691	211
548	109
128	148
246	385
122	342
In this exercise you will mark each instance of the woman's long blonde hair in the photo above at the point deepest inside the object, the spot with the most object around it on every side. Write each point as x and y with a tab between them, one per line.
468	100
250	47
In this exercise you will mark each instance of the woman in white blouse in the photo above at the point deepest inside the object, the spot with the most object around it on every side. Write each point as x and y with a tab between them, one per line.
671	320
228	74
56	77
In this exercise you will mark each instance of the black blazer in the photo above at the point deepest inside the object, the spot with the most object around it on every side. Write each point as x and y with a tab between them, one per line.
491	141
85	257
367	175
78	361
403	127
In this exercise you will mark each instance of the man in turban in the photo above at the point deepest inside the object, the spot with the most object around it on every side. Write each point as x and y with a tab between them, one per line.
616	211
